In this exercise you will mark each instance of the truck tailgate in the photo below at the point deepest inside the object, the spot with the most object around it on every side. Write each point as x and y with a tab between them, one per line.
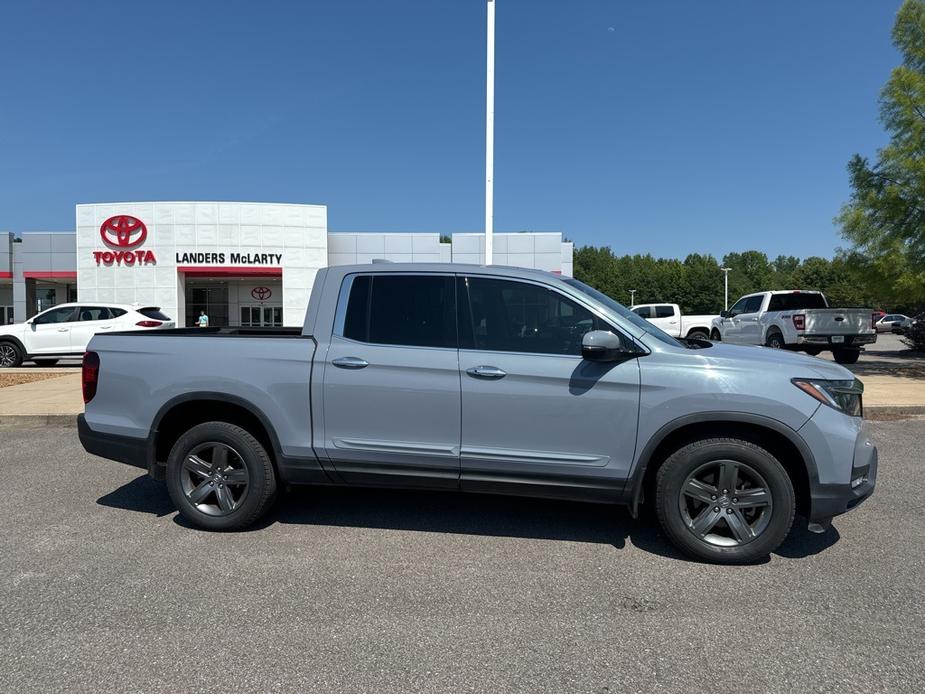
837	321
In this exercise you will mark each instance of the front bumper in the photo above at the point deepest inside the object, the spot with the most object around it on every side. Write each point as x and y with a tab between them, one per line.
122	449
829	500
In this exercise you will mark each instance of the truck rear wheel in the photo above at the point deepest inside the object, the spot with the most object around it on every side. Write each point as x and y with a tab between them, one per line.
775	340
724	500
698	334
220	477
846	356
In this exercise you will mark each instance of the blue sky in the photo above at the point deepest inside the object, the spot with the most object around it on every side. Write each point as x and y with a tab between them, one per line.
669	127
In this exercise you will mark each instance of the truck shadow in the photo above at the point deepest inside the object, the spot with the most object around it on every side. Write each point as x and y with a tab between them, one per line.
459	514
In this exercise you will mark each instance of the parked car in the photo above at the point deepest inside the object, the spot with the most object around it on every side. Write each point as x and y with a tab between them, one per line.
64	330
797	320
484	379
902	326
668	317
888	321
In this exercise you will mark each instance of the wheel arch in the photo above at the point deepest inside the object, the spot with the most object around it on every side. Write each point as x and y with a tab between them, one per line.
183	412
15	341
777	438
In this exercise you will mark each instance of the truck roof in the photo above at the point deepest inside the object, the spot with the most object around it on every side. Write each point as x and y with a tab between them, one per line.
457	268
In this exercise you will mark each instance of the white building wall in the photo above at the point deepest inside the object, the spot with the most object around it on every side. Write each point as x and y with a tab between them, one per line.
364	247
296	232
537	250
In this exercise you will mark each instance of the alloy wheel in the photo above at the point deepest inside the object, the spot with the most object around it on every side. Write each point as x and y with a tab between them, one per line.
726	503
7	355
214	478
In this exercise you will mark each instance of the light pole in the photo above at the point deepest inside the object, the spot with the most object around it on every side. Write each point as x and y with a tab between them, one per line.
632	297
726	285
489	132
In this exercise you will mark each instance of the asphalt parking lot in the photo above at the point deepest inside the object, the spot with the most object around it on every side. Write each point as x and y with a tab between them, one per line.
103	588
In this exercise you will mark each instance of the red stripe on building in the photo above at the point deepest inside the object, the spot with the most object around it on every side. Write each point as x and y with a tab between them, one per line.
6	275
226	271
50	275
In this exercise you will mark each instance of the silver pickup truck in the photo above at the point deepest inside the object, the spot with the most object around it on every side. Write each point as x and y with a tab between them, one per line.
484	379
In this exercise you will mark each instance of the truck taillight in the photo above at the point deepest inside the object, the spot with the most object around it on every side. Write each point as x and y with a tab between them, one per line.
90	375
799	321
148	323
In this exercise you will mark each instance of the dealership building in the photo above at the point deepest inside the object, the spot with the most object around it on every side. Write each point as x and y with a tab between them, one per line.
244	264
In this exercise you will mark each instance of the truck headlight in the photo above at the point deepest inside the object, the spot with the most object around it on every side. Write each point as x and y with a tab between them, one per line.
844	396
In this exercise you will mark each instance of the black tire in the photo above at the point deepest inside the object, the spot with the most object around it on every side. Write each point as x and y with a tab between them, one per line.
814	351
698	335
715	336
775	340
45	362
846	356
247	458
10	355
679	513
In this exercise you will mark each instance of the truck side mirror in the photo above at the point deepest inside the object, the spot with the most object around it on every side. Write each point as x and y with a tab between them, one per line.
603	345
724	314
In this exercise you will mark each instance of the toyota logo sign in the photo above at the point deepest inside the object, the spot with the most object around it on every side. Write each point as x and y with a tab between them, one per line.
123	231
261	293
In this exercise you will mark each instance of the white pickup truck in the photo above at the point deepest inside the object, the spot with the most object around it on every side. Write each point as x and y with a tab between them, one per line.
668	317
798	320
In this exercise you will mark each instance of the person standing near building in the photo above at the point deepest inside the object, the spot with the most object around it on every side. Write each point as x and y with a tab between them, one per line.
203	320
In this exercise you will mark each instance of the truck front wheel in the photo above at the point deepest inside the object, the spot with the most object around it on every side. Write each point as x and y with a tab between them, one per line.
724	500
220	477
846	356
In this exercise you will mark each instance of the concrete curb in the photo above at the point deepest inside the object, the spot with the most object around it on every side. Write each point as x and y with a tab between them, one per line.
873	411
12	421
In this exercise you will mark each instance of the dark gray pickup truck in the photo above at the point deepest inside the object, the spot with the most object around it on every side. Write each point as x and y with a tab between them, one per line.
484	379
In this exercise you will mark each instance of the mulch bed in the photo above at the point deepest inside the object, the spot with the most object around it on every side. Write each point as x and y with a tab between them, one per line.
16	379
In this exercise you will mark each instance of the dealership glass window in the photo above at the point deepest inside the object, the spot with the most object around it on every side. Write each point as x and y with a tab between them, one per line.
261	316
45	298
520	317
211	298
6	315
415	310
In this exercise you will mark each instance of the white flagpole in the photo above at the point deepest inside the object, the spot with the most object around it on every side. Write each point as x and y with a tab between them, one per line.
490	134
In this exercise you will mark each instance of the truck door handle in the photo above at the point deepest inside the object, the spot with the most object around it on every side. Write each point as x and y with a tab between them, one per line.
350	363
491	372
63	330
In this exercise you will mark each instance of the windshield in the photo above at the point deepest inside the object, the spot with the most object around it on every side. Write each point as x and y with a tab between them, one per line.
622	311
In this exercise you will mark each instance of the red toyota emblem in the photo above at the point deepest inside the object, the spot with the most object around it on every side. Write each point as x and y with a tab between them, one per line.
123	231
261	293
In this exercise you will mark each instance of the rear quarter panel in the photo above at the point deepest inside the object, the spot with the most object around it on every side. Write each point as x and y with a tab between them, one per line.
140	374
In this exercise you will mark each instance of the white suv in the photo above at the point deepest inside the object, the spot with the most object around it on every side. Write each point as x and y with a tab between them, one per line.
65	330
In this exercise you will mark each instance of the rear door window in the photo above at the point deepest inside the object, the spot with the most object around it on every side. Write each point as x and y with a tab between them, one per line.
412	310
664	311
91	313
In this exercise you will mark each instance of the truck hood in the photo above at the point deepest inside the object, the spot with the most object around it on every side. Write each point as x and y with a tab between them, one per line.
796	364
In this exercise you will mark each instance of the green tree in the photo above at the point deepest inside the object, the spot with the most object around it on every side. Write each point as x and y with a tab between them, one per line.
885	218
